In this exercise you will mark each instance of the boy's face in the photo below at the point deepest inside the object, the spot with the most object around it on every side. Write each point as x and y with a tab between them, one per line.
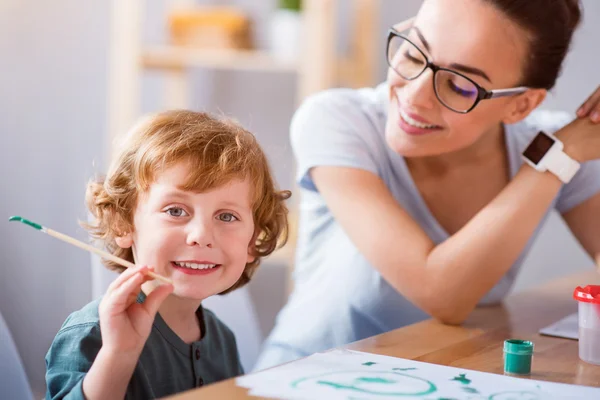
202	241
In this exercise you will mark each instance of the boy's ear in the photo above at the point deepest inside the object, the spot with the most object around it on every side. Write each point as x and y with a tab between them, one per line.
124	241
524	104
251	257
252	248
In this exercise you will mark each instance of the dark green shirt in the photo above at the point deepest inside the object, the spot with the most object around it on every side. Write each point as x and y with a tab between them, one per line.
166	366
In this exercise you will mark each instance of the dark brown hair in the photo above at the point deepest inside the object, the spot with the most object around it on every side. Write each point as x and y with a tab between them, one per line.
218	151
550	24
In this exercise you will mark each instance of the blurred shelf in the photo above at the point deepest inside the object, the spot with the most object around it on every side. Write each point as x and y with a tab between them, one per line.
172	57
319	67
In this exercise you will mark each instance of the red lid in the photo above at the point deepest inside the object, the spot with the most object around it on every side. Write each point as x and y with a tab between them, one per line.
588	294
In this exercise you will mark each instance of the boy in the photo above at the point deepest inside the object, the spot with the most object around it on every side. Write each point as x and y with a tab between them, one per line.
189	197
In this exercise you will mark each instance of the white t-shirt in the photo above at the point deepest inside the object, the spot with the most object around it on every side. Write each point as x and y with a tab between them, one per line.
339	297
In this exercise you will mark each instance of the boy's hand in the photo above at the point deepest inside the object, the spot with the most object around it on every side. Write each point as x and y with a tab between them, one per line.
125	324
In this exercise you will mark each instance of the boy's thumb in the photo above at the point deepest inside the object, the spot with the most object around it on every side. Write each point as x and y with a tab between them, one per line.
155	299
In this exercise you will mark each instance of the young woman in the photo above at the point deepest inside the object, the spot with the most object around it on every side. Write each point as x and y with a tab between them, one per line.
416	198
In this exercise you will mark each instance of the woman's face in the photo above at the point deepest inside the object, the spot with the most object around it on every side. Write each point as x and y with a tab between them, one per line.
472	38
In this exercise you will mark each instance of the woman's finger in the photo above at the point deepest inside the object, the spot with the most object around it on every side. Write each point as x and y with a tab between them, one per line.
591	105
595	114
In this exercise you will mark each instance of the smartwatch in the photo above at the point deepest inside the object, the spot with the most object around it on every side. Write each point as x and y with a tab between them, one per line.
545	153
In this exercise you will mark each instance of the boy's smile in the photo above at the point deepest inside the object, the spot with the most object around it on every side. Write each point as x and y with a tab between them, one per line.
201	240
195	267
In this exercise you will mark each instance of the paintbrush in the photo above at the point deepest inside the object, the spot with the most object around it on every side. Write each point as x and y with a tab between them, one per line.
85	246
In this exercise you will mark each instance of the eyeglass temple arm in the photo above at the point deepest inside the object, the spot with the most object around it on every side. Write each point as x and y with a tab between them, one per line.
492	94
404	25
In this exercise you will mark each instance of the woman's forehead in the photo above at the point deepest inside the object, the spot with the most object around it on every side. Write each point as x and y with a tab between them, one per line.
473	33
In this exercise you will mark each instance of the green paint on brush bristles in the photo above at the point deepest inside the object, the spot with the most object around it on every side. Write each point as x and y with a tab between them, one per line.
26	222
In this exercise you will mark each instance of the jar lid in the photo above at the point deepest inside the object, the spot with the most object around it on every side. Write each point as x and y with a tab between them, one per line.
588	294
516	346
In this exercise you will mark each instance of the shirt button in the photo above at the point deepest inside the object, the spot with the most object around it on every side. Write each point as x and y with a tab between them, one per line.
200	382
197	354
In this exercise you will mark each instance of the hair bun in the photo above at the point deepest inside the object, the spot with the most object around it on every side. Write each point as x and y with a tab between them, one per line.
574	11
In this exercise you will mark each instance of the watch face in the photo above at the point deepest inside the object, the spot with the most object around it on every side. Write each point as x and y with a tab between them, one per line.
538	148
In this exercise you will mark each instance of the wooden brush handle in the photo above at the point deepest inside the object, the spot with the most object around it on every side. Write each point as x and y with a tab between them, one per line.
101	253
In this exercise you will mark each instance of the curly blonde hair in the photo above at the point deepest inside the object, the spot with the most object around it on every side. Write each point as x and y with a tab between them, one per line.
218	151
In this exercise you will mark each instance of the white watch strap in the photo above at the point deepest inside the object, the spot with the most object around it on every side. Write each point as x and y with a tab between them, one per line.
563	166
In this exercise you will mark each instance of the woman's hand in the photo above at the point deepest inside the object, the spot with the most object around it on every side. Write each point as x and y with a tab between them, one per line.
124	323
591	107
581	139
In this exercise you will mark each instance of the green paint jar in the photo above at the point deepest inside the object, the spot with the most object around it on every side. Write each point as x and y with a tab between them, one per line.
517	356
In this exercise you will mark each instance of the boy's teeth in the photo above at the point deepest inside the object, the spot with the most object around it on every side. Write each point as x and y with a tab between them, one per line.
414	123
194	265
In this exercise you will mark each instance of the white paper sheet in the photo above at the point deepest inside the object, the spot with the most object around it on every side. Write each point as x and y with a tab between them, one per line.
568	327
344	374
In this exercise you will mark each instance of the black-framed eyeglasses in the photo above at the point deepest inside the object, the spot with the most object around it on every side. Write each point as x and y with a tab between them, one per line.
454	90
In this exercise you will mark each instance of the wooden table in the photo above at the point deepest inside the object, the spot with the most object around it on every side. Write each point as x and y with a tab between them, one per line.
477	344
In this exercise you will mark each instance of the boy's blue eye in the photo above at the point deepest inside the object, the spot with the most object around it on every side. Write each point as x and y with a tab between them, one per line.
176	212
227	217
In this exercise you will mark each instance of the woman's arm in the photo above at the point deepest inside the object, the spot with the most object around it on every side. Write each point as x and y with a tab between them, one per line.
584	221
446	280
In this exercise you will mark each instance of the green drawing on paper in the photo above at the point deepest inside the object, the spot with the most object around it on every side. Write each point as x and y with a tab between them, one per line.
334	385
383	383
375	380
446	398
368	364
403	369
515	395
462	378
469	389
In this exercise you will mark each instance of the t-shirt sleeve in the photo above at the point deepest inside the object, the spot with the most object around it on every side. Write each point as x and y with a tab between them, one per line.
332	128
584	185
68	360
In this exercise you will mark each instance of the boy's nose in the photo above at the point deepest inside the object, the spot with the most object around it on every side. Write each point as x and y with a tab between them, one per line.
200	236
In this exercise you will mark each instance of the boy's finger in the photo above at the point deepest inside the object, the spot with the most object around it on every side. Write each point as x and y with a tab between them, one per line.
124	293
155	299
124	276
